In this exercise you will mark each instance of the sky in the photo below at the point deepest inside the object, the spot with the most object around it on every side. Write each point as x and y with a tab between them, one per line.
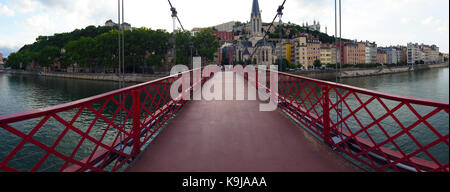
387	22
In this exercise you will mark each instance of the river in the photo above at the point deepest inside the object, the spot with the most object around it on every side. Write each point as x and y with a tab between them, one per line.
430	83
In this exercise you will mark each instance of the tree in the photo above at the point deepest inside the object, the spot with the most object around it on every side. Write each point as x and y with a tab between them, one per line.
107	49
283	66
207	44
82	52
14	60
183	40
317	63
47	56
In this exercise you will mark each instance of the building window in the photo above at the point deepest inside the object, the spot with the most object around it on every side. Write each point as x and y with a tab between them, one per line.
263	55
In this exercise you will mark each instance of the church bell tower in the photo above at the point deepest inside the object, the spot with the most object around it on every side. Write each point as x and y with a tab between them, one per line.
256	21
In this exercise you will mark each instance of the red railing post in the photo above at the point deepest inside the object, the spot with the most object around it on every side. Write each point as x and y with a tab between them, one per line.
326	114
256	77
136	130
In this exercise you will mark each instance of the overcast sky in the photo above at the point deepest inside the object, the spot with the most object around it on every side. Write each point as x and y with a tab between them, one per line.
388	22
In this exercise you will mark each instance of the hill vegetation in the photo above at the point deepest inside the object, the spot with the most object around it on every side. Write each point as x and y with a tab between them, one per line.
96	49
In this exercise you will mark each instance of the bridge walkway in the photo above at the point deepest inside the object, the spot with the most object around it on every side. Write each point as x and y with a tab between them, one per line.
234	136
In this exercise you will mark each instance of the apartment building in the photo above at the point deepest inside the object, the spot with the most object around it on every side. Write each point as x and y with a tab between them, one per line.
326	54
286	50
381	57
313	50
354	53
393	55
334	54
431	53
371	52
414	54
299	51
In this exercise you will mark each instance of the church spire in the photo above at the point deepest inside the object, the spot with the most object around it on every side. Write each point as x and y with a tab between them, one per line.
255	8
255	20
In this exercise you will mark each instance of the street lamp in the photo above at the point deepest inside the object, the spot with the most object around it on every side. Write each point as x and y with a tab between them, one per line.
280	15
174	18
191	46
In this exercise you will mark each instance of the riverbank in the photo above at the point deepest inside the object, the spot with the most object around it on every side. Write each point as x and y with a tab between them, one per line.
129	78
324	75
349	73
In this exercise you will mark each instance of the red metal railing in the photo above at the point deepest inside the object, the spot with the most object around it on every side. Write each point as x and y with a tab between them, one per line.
120	123
377	131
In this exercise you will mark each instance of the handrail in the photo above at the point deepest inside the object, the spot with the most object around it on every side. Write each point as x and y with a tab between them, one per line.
395	97
367	142
8	118
112	144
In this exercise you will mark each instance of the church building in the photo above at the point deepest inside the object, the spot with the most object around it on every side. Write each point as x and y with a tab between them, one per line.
244	49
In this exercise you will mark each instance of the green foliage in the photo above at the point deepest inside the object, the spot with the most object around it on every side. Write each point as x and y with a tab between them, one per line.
14	60
61	39
48	55
82	51
295	29
361	66
317	63
206	43
96	48
107	49
285	65
21	59
183	40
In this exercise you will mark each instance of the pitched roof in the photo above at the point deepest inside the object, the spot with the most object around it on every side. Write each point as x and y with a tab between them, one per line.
246	43
246	52
255	8
264	42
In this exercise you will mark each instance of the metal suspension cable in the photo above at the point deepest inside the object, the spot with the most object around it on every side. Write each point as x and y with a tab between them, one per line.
176	15
338	42
123	45
335	39
280	8
119	43
121	40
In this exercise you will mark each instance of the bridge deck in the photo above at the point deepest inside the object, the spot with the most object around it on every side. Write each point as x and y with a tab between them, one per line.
234	136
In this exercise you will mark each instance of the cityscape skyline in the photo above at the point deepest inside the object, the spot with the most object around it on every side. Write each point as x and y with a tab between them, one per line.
27	19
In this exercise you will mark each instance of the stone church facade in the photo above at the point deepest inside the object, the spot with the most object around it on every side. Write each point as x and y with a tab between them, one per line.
265	54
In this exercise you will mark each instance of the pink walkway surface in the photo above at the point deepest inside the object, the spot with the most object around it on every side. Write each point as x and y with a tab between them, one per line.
234	136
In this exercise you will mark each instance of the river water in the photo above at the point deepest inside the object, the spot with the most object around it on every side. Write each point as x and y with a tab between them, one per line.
24	92
430	84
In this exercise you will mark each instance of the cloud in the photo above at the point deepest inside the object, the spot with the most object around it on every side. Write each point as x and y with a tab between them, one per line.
405	20
26	6
429	20
40	23
5	10
435	23
385	21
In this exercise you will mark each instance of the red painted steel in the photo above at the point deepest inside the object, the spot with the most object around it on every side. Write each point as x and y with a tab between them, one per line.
311	102
150	109
329	110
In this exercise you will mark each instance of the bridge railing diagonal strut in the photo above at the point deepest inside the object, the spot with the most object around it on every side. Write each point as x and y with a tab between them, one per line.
376	131
88	135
